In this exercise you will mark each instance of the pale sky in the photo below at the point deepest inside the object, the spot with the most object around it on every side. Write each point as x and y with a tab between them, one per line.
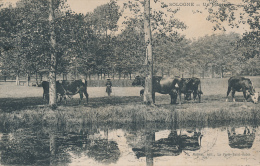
197	24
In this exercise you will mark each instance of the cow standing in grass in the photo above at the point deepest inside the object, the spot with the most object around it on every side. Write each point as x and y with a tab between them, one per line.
188	86
67	89
160	85
242	84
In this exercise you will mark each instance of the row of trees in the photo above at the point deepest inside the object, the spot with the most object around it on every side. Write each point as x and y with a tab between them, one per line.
46	35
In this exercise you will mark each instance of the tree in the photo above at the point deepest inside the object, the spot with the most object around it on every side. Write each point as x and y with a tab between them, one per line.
53	61
236	14
103	22
157	23
148	91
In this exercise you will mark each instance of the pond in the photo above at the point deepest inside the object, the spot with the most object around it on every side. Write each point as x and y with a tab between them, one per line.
131	144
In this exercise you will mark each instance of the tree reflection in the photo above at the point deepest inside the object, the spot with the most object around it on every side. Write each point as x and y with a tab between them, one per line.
25	148
103	150
241	139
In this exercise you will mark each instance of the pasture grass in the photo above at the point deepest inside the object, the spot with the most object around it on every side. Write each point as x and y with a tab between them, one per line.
30	110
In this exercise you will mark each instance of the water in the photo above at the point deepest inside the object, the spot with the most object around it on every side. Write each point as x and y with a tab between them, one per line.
131	145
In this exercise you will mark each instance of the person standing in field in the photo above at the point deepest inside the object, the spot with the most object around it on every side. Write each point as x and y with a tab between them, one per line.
108	86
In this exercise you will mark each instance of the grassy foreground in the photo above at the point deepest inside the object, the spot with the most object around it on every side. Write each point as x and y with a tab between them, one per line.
200	115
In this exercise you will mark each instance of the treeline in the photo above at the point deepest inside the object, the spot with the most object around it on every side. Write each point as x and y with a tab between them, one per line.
90	44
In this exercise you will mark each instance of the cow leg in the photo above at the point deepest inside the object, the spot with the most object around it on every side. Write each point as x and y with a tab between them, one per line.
46	97
65	99
199	96
245	96
179	98
173	98
86	95
171	95
153	96
233	95
59	98
195	93
228	91
81	97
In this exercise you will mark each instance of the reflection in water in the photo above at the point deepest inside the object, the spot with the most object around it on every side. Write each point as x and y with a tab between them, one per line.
102	145
173	145
103	150
243	139
24	147
46	147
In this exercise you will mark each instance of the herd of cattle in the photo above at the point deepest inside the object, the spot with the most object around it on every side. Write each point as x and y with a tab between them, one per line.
175	87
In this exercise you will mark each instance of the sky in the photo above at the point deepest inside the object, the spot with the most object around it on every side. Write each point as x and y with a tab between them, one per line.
197	25
196	22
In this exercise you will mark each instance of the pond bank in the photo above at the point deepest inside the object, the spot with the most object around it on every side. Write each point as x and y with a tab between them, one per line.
190	114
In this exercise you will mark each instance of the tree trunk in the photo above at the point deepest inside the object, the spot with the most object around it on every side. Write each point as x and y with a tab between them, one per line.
193	72
203	73
53	149
76	72
119	74
150	139
162	71
221	72
28	79
52	72
130	75
17	82
212	72
36	75
148	90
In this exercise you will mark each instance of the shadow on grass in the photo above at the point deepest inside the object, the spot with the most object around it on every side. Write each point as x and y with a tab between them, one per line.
13	104
102	101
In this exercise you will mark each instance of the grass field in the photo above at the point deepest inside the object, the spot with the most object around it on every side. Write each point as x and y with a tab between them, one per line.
20	104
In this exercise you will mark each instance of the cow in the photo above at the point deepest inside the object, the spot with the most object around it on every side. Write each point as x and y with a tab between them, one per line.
67	88
173	86
160	85
241	138
242	84
173	145
188	86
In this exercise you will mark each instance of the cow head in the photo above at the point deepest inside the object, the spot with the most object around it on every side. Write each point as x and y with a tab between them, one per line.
253	94
255	97
138	81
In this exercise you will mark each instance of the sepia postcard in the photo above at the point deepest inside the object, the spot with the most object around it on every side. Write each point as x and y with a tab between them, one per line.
129	82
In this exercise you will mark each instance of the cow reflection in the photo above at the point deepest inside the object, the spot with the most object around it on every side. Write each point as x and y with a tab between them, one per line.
173	145
241	139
